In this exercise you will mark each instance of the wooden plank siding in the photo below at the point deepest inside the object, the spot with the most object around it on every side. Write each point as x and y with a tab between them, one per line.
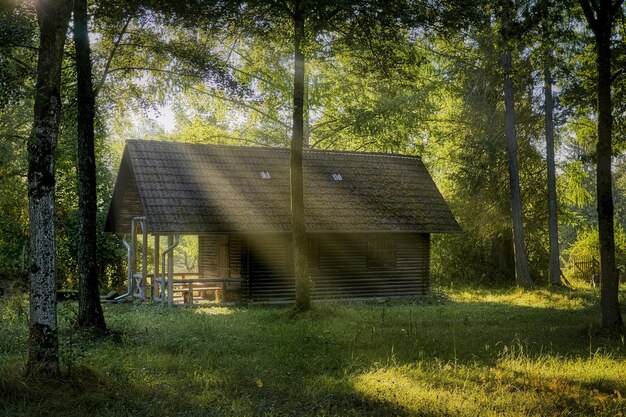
267	268
352	268
207	255
235	256
212	265
341	265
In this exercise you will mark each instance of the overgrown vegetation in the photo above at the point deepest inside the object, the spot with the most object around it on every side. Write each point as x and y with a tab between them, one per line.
461	352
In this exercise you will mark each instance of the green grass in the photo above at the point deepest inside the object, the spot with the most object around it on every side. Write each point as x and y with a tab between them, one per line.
464	352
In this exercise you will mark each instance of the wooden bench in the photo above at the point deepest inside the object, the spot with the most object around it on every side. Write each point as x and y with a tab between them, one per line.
189	286
188	292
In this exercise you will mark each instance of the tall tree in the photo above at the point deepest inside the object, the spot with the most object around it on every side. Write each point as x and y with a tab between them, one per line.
600	16
323	16
546	47
298	227
53	18
522	274
90	313
553	222
320	16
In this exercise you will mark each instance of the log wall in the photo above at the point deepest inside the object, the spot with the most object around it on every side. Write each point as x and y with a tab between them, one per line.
364	266
341	266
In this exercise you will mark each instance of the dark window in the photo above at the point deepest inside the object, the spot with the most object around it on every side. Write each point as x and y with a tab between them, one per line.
381	253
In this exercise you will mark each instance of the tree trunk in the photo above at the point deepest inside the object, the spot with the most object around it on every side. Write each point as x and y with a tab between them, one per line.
600	16
306	118
89	309
553	223
43	343
609	302
303	290
522	275
502	255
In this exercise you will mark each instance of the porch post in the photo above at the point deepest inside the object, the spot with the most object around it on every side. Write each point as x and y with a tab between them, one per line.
155	275
144	260
170	271
133	256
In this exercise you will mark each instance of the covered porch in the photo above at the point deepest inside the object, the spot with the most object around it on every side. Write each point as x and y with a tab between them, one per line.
180	269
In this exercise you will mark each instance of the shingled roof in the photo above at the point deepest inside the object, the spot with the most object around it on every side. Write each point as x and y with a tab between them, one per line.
193	188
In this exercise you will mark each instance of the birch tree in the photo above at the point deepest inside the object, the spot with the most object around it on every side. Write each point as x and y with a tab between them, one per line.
53	18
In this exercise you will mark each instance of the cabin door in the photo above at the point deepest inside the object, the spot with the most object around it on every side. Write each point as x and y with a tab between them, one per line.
223	256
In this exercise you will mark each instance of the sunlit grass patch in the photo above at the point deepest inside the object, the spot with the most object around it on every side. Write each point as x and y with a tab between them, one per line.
603	373
425	392
514	387
212	311
537	298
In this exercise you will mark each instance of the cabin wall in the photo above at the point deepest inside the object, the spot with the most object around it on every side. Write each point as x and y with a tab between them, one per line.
267	268
207	255
341	266
210	264
374	265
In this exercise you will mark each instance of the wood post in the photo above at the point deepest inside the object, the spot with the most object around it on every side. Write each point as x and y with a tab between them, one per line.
132	266
170	271
144	260
155	275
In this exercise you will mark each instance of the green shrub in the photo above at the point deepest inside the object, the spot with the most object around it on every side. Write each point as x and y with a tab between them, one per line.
586	248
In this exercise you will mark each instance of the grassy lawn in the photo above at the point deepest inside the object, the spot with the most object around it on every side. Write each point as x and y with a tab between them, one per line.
465	352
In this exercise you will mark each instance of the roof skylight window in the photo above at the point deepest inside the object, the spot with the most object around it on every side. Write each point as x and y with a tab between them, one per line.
265	175
337	176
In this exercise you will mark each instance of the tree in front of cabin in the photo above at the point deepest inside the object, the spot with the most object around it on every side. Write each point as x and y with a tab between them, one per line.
308	22
300	20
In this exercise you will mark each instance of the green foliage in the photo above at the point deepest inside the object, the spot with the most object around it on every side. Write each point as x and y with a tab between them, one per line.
464	352
586	248
186	254
466	153
17	63
17	41
460	260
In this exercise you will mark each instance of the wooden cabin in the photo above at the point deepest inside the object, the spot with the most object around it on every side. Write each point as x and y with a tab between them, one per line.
369	217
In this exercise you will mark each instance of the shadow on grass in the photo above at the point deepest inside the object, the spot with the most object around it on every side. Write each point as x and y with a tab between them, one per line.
89	392
82	392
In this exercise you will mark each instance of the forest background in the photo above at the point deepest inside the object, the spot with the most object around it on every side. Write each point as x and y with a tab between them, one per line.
429	86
